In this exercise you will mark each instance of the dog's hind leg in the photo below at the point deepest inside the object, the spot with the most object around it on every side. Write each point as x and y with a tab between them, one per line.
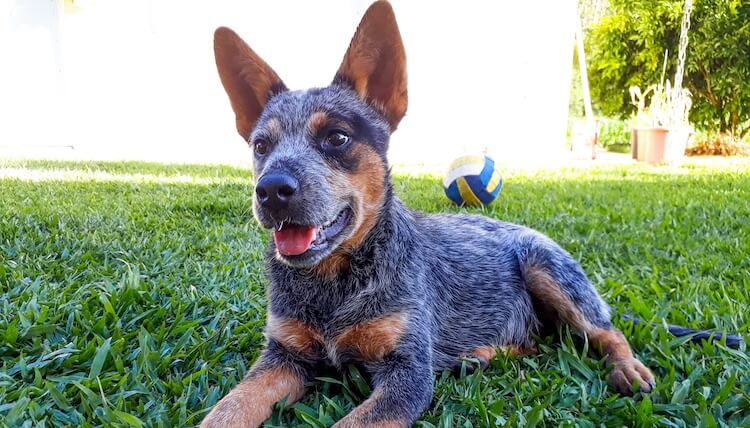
559	286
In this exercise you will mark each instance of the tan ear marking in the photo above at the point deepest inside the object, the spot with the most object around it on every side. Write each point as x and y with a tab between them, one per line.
375	63
247	79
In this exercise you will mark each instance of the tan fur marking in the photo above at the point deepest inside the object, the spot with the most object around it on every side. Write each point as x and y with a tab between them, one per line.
518	351
316	122
548	291
626	369
611	343
376	63
486	353
359	417
247	79
367	183
332	265
250	403
374	339
295	335
274	127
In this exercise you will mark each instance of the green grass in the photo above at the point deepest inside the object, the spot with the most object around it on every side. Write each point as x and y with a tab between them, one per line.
133	295
619	148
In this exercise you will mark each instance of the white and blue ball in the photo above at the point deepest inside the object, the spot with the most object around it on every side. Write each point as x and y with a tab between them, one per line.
473	181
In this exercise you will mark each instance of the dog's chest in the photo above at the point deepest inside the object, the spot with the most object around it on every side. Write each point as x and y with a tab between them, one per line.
367	340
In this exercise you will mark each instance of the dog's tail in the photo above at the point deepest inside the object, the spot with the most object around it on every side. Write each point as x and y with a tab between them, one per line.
697	336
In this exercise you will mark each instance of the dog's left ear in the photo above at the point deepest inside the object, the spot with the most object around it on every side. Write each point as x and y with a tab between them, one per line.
248	80
375	63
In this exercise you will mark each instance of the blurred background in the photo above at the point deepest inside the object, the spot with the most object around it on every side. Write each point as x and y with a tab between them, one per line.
136	79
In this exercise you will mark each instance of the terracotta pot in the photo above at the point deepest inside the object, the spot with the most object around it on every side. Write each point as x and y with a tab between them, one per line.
652	145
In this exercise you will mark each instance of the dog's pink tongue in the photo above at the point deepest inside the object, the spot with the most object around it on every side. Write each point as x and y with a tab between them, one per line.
293	240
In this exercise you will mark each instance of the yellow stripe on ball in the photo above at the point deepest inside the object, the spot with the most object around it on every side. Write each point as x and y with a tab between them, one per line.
465	191
494	181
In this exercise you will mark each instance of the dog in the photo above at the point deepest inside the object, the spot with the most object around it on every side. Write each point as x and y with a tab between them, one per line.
357	277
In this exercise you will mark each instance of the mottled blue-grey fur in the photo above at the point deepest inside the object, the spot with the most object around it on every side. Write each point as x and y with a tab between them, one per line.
357	277
460	278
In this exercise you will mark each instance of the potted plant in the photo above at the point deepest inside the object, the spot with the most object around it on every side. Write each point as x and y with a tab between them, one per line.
661	128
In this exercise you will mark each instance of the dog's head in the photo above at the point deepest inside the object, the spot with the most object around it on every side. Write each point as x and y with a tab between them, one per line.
319	154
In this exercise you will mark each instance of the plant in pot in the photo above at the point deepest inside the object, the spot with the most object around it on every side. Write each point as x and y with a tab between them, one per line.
660	126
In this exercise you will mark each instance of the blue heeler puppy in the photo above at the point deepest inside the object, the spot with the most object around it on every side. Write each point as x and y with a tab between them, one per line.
355	276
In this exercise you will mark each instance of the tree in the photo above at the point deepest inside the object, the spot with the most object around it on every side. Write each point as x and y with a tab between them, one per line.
627	48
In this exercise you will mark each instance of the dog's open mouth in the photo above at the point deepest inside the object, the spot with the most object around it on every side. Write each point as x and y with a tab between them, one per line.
295	239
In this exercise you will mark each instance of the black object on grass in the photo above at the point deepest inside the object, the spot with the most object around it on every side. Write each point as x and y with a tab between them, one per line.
697	336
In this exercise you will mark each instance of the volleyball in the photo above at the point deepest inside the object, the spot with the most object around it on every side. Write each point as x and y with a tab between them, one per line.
473	181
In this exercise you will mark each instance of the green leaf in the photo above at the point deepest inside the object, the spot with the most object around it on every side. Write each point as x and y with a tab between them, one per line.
128	419
362	387
11	334
679	394
100	358
308	415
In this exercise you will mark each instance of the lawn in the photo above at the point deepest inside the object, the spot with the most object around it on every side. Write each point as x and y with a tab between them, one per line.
133	295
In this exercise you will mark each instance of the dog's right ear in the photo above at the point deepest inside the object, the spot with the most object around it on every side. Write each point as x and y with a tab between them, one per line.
248	80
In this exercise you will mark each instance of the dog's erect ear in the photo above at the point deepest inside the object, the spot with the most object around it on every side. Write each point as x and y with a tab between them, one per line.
375	63
248	80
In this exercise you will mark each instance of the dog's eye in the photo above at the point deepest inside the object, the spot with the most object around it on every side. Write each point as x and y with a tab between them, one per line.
260	146
337	138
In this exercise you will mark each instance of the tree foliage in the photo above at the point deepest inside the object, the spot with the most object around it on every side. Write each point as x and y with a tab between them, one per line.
626	47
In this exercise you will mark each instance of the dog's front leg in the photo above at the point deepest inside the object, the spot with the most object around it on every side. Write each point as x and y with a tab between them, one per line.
402	391
274	376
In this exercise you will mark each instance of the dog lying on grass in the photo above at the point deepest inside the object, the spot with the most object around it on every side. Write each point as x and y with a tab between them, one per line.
355	276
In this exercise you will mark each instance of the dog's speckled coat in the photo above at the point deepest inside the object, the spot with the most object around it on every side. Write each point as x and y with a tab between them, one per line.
402	293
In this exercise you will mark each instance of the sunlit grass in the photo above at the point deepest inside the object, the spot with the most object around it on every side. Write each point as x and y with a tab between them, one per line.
133	294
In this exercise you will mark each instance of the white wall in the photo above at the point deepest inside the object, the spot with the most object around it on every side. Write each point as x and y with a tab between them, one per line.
136	78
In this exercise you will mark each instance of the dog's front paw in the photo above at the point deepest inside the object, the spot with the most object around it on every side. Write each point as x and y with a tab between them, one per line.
629	372
354	422
233	411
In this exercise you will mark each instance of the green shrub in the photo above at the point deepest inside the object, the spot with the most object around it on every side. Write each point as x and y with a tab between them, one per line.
627	46
614	132
619	148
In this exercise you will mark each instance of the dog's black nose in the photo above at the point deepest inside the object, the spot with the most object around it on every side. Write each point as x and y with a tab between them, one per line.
274	191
